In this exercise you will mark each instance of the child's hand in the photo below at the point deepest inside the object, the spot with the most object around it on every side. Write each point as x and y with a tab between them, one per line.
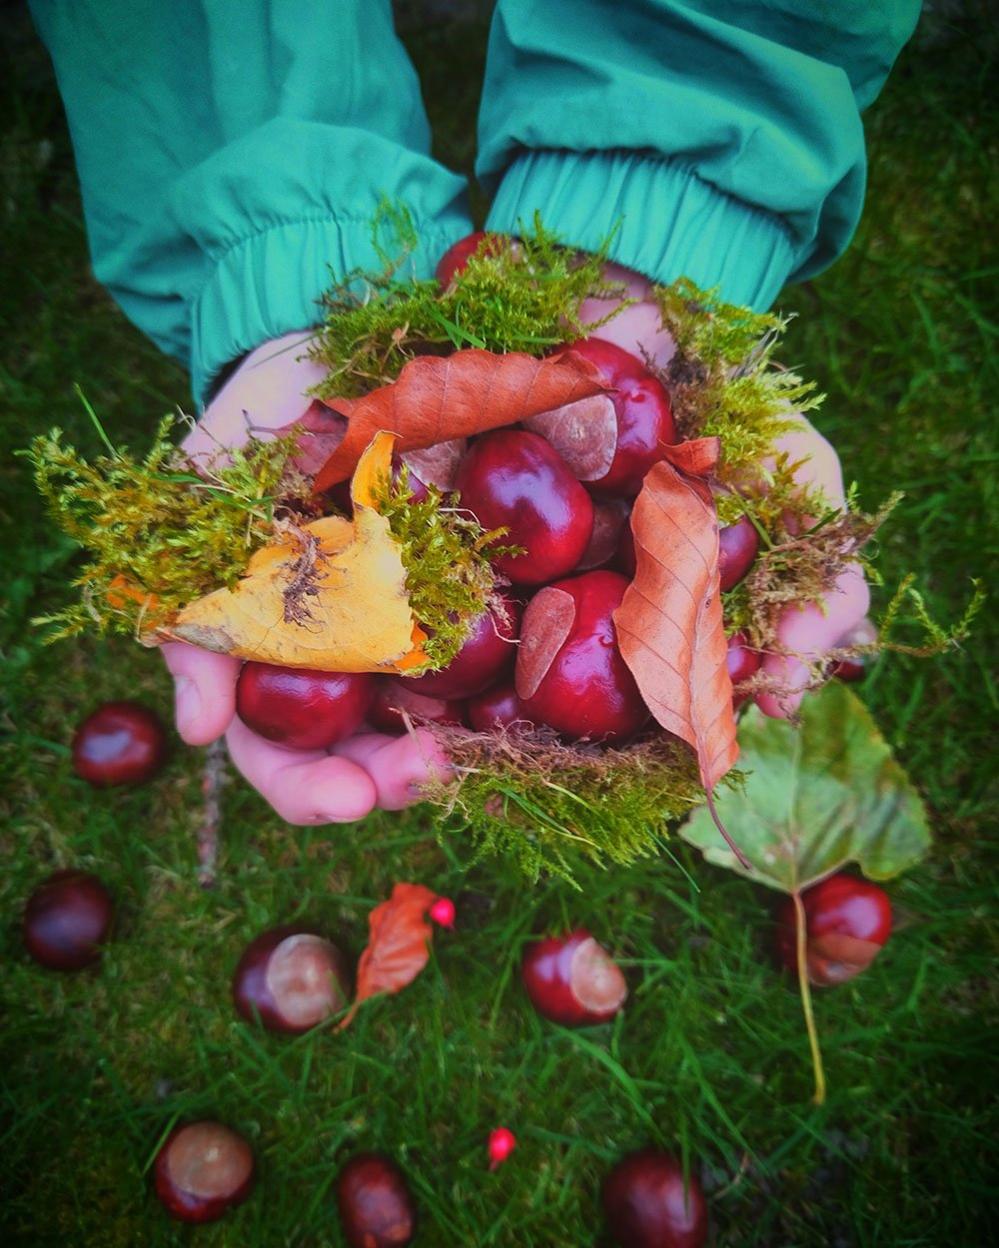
267	392
809	631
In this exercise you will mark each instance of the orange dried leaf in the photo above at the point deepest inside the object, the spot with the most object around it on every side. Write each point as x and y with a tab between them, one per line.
329	595
399	936
669	625
435	399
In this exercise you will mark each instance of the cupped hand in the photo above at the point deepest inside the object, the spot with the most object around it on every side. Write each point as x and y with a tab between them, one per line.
268	391
807	633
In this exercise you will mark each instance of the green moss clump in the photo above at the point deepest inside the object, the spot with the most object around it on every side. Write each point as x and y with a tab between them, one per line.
157	535
524	295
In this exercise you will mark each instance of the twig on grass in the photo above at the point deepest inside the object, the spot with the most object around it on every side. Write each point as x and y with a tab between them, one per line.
214	774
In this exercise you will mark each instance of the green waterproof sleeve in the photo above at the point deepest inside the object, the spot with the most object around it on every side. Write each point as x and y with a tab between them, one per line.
722	137
232	152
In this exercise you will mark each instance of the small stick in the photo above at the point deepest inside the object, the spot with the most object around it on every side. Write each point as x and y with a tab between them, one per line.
213	779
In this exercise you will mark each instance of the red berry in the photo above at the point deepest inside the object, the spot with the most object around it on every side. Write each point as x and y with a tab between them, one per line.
442	912
649	1204
292	978
392	698
376	1208
203	1169
302	708
570	673
572	979
120	743
514	480
498	707
502	1142
611	441
66	920
737	547
847	921
488	650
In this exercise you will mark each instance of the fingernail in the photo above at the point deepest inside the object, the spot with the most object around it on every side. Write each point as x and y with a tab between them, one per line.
187	703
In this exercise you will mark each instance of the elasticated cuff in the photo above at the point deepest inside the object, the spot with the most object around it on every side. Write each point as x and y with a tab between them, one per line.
670	223
270	284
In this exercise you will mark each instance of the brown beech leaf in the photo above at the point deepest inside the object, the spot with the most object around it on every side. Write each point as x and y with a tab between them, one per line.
320	431
669	625
329	595
435	399
399	936
698	457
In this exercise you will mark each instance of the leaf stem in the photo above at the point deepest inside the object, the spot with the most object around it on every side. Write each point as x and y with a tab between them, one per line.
740	856
805	988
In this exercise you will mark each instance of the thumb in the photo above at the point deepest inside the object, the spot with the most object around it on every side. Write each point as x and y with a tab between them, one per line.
205	691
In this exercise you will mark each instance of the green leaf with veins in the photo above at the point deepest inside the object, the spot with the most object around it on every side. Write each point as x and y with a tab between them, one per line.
817	796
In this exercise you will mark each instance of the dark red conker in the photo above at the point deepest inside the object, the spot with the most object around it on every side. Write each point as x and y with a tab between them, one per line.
648	1204
203	1169
120	743
572	979
488	650
66	920
497	707
570	674
611	440
302	708
514	480
292	978
376	1208
392	697
457	256
847	921
737	547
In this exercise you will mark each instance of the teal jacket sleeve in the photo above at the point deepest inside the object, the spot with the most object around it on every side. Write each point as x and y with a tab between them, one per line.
232	152
722	137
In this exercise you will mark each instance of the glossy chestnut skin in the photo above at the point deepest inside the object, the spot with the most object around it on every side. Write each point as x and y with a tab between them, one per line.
292	978
513	479
572	979
497	707
302	708
737	547
741	659
119	743
376	1208
644	416
847	919
587	689
489	650
648	1205
392	697
66	920
203	1169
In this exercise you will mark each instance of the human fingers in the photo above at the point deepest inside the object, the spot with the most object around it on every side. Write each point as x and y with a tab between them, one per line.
399	767
204	691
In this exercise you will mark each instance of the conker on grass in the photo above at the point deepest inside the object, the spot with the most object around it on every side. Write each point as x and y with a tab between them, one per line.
737	547
488	650
498	707
611	440
847	921
376	1208
203	1169
649	1204
292	978
572	979
392	697
302	708
66	920
119	743
570	674
514	480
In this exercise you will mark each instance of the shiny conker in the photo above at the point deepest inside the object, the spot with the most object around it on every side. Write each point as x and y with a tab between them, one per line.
513	479
302	708
572	979
649	1204
570	673
488	651
392	697
66	920
376	1208
119	743
847	921
291	978
737	547
497	707
202	1170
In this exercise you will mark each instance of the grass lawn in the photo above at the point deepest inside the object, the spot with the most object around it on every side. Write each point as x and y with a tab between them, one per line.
710	1058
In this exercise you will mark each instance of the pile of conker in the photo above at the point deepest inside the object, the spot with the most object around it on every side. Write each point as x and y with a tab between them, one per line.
545	651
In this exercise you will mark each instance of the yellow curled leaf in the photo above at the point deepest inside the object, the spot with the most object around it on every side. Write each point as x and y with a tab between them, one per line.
330	595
